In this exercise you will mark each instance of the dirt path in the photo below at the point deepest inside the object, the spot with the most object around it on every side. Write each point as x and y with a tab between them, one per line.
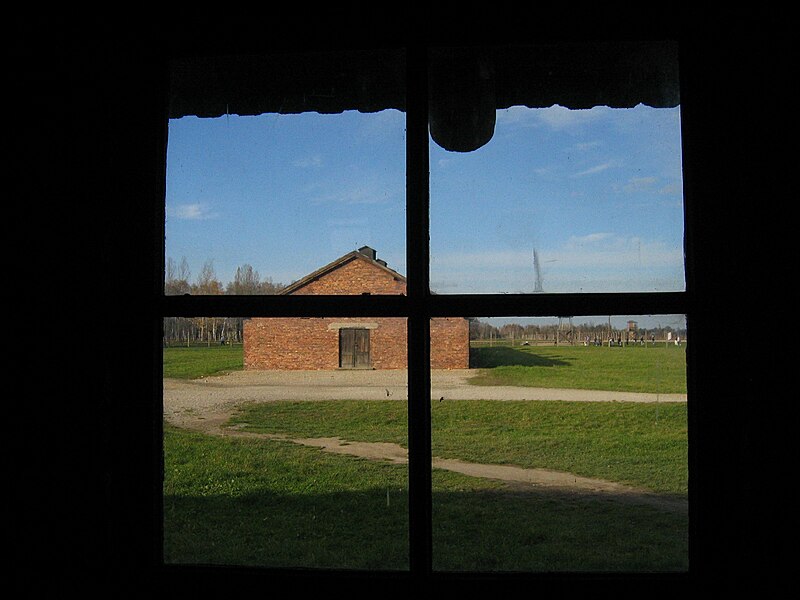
206	405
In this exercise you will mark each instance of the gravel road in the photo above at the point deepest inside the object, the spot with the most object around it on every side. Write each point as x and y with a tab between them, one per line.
213	393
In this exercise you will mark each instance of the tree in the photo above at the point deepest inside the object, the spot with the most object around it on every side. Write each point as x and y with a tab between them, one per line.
246	282
207	282
267	287
177	278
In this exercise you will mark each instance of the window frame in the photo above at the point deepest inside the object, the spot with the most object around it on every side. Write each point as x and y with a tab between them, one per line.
418	307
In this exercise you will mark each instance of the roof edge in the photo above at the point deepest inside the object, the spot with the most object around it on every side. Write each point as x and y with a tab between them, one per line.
342	260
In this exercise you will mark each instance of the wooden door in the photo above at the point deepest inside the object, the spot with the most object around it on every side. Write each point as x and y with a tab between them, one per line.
354	349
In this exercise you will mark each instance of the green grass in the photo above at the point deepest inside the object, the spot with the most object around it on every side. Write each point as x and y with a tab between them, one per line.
271	503
201	361
654	369
638	444
250	502
277	504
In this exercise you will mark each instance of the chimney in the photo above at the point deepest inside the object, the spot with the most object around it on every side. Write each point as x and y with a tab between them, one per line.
367	251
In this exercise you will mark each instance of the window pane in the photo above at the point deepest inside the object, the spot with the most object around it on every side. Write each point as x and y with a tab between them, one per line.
283	446
256	203
561	201
563	447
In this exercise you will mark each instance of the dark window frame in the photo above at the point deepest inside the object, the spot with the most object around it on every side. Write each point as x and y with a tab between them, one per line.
418	307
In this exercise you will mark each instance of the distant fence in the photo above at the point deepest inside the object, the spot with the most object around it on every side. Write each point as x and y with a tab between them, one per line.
504	342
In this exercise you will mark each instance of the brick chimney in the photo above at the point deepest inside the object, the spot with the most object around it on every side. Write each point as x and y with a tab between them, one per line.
369	252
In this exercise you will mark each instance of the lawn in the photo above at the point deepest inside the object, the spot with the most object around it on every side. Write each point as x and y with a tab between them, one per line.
273	503
654	369
181	362
644	445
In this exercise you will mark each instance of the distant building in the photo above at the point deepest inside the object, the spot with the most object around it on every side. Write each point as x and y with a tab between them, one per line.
322	343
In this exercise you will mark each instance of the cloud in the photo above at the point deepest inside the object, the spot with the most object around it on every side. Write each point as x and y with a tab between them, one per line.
592	238
518	115
191	212
355	187
307	162
600	261
596	169
671	188
639	184
558	117
606	251
443	163
555	117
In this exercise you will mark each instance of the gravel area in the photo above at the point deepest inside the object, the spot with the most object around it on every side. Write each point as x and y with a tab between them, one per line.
213	393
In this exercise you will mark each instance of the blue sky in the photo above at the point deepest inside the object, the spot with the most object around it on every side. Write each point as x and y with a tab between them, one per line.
597	193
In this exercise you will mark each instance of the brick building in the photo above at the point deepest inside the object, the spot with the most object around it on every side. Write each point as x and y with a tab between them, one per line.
349	343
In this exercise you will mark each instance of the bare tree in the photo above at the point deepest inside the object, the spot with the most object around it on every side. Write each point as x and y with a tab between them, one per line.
207	282
177	278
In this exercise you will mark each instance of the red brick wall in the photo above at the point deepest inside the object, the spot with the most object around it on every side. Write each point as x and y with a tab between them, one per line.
449	343
353	278
313	343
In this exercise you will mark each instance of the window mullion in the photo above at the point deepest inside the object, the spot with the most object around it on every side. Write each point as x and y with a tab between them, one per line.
418	289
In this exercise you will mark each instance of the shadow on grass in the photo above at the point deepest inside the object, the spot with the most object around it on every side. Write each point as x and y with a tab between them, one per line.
487	358
537	531
283	530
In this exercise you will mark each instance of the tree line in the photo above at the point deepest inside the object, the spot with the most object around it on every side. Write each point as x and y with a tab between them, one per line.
210	330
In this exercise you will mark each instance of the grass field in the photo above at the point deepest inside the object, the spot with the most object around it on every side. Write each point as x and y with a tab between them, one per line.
273	503
182	362
644	445
655	369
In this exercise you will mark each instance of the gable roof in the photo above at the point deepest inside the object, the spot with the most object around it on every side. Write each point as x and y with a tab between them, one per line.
364	253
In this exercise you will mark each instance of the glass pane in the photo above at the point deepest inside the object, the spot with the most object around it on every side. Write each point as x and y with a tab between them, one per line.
561	201
284	445
256	203
563	447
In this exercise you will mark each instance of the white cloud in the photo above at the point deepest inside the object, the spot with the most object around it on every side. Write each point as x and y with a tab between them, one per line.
588	239
558	117
670	189
443	163
191	212
596	169
599	261
555	117
639	184
518	115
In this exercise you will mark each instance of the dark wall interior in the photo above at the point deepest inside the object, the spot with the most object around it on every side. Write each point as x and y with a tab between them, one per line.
92	132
